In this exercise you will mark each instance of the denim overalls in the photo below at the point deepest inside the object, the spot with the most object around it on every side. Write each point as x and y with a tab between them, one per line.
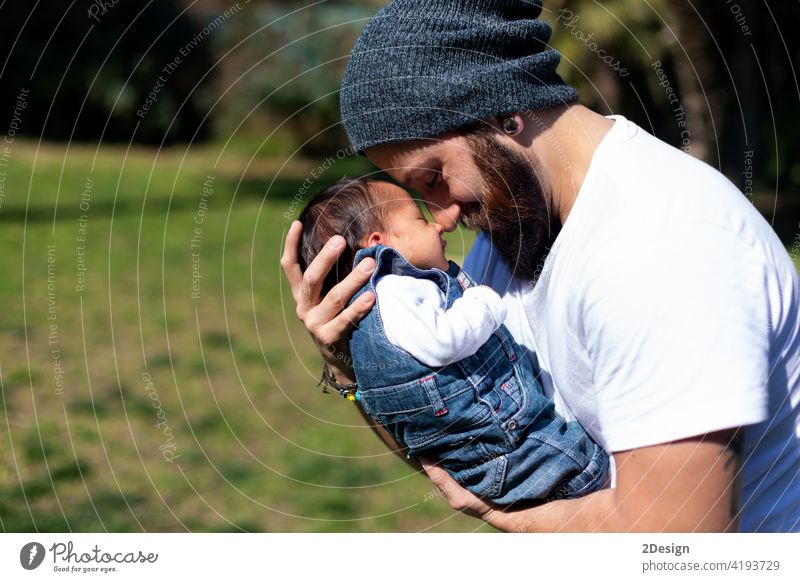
485	418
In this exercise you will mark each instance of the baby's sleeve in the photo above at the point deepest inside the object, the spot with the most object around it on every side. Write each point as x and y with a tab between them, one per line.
415	319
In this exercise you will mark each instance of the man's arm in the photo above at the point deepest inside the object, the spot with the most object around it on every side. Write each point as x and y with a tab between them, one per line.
389	441
691	485
325	318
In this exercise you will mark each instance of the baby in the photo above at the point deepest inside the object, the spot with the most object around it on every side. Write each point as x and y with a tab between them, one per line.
433	361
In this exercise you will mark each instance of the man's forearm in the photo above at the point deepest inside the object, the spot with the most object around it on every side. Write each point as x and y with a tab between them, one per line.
339	362
602	511
592	513
389	441
689	485
341	366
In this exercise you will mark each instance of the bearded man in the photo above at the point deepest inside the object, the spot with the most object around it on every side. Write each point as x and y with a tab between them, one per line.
663	310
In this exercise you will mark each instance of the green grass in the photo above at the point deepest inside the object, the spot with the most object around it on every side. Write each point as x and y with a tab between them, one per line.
255	445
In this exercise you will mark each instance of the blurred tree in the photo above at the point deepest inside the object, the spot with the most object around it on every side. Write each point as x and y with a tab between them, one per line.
727	70
623	32
732	66
285	79
90	66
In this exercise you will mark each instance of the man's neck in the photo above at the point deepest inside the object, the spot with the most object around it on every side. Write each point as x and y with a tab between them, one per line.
564	148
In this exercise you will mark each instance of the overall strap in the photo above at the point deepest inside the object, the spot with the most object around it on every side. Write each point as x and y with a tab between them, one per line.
460	275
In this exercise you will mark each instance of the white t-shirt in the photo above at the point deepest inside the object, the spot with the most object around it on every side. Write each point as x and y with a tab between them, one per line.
667	308
416	319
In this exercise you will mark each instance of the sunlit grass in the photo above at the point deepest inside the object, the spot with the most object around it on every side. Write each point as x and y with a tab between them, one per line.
173	412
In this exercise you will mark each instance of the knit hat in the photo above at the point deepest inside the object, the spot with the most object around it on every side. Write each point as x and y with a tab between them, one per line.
421	68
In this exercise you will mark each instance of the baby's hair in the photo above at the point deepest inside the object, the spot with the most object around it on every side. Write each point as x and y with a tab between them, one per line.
347	208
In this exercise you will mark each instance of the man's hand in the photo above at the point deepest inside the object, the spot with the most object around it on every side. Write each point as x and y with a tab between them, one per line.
326	319
689	485
460	498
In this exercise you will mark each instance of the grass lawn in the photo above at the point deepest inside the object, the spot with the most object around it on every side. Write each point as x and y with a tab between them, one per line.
154	376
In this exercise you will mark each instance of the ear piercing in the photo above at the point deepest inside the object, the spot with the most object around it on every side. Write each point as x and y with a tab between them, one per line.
511	125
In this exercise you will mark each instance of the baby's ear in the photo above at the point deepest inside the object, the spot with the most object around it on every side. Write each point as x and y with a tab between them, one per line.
375	238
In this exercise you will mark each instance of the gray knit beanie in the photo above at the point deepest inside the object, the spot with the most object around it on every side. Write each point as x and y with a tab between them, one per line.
424	67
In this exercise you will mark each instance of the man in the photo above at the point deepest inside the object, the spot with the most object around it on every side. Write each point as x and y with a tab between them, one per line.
662	309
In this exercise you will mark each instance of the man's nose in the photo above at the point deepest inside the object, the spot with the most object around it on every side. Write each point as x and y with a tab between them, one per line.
447	218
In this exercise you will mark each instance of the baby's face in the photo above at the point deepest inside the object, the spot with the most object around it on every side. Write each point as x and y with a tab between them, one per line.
408	231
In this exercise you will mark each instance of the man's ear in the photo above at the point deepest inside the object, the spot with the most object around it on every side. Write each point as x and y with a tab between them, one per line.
511	125
375	238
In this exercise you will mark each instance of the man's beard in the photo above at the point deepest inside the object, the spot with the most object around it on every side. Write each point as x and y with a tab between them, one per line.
514	210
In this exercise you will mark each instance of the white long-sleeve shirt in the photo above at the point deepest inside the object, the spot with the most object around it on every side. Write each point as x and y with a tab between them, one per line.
415	319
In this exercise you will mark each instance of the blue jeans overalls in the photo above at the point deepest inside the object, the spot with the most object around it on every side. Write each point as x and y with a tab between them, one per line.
485	418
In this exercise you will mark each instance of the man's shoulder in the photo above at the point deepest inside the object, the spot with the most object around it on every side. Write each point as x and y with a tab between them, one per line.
642	196
642	173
